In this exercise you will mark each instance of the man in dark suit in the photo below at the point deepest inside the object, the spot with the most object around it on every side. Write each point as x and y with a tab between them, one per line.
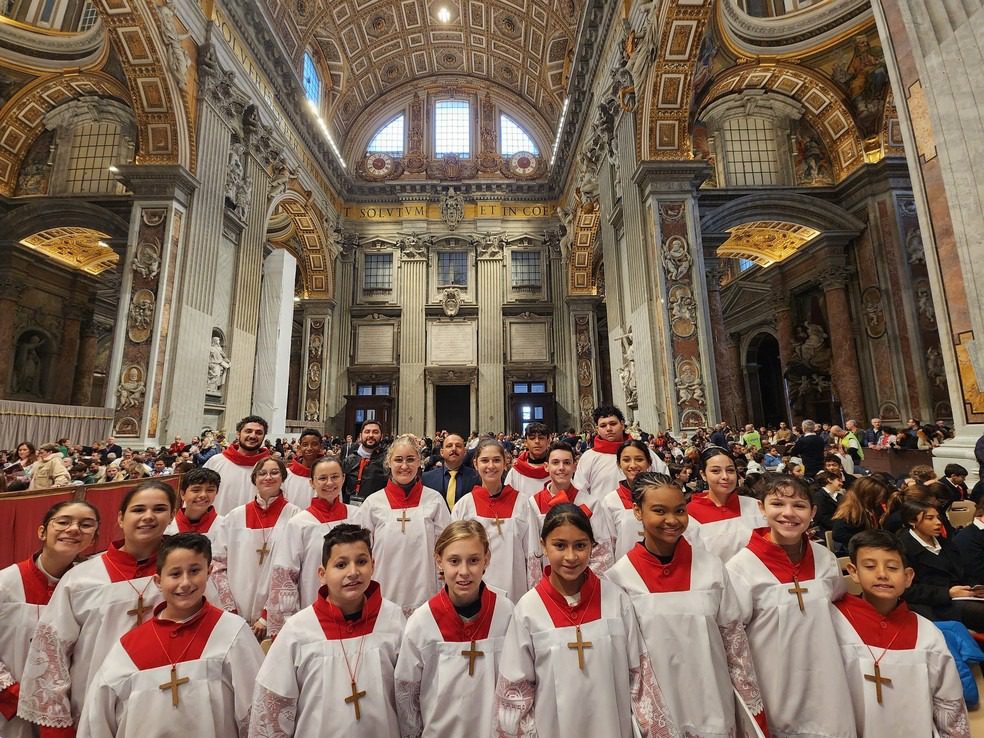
452	477
810	448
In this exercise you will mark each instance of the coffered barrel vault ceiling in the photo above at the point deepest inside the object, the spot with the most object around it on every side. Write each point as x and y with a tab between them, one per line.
372	46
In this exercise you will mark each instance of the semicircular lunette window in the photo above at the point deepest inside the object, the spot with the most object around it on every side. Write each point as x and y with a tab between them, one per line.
389	138
513	138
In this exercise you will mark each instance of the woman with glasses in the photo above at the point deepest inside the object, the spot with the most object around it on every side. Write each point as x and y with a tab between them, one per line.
244	542
68	529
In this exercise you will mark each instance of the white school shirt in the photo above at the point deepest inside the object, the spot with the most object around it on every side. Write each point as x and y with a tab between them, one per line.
294	579
690	618
543	693
799	667
601	526
724	531
243	583
404	557
302	685
24	593
507	569
236	488
126	699
432	666
925	697
86	616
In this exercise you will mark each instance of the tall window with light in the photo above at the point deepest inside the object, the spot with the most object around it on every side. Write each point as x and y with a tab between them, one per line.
452	129
389	138
312	81
513	139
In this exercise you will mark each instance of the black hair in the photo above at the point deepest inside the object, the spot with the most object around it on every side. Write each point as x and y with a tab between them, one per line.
875	538
634	443
371	421
327	458
172	496
341	534
563	514
833	457
650	480
912	509
253	419
189	541
954	469
536	429
770	484
310	432
200	476
710	452
607	411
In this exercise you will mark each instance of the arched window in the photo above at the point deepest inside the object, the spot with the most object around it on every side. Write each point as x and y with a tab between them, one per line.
312	81
452	128
513	139
751	157
389	139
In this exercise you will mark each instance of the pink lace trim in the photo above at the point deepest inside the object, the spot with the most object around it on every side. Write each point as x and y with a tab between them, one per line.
273	715
647	702
514	709
740	665
44	698
284	597
534	569
408	709
602	557
220	577
6	678
950	717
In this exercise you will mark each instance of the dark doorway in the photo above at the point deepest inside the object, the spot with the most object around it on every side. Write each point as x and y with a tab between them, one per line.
452	408
765	381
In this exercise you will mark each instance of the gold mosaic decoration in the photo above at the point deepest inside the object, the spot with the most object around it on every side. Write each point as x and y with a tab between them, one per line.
766	242
82	249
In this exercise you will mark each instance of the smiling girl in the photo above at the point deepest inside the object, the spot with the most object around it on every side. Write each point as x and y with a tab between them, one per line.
454	642
94	604
633	458
574	661
785	584
294	574
67	530
689	614
405	521
506	517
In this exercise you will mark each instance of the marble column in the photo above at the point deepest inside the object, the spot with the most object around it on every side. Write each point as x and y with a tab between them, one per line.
271	371
565	372
583	336
731	387
86	364
491	389
316	362
782	310
413	339
11	288
341	335
66	370
844	363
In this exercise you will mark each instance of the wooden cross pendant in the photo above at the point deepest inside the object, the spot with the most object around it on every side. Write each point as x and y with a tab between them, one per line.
471	655
498	523
354	700
879	680
580	646
403	521
138	611
173	685
798	591
263	552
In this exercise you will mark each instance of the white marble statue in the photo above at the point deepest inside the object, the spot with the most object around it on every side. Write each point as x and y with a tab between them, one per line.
218	367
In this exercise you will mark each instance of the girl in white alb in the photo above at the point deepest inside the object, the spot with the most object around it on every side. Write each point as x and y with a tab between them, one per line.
724	518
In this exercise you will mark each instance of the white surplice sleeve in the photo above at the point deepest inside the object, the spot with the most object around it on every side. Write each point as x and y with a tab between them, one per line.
949	708
273	713
408	675
241	665
741	588
220	564
103	707
516	687
648	704
741	668
285	574
603	527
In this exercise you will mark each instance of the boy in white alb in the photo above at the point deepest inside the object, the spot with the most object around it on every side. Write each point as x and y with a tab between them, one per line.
529	471
597	470
900	672
187	671
330	671
198	490
297	486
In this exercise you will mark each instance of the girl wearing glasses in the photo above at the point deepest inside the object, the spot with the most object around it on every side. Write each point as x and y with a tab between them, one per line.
245	539
67	529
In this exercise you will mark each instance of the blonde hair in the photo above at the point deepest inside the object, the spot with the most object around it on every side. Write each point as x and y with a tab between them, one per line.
460	530
405	439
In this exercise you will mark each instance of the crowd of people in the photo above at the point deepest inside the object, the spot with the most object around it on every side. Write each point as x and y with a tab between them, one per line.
549	584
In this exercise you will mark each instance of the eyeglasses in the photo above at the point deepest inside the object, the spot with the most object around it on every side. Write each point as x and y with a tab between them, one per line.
274	473
86	526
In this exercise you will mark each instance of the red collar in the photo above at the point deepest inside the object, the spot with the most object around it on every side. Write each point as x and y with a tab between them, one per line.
121	566
660	577
546	500
608	447
625	495
453	628
257	517
238	458
704	510
328	512
398	499
184	641
333	622
777	561
500	506
202	526
37	588
875	629
563	615
523	466
298	469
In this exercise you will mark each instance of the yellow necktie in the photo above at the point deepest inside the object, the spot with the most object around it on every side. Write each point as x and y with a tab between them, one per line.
452	487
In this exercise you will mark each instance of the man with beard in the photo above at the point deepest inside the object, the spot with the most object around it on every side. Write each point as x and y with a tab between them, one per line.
364	471
235	464
529	472
297	486
453	479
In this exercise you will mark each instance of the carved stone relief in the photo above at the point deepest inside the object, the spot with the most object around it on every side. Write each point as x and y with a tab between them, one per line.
141	316
452	208
147	258
676	257
132	388
683	311
874	313
451	302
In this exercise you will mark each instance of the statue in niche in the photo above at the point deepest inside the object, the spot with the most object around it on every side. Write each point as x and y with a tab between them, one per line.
627	371
811	349
131	391
28	365
452	208
218	367
935	367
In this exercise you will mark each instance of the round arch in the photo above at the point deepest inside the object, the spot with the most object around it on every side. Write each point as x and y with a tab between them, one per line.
765	387
38	215
315	258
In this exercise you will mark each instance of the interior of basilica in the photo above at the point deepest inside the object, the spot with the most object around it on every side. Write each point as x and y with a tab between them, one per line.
475	214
